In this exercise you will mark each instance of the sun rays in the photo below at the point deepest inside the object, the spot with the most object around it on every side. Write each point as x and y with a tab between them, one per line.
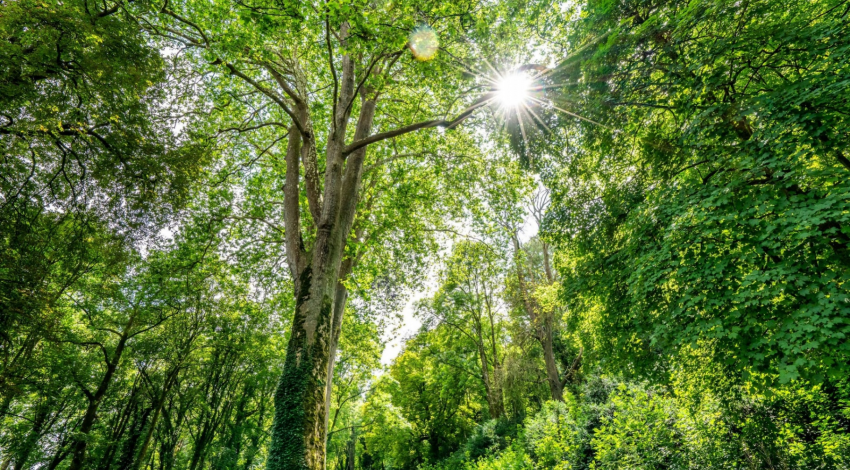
517	95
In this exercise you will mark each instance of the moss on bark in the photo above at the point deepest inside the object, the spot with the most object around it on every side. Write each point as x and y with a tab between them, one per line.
298	432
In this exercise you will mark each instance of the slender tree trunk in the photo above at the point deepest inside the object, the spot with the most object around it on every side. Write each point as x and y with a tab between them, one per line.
547	266
497	365
20	360
339	311
141	417
118	429
41	414
157	411
552	374
230	454
543	326
199	453
79	446
493	390
60	456
351	450
168	446
555	384
257	435
496	389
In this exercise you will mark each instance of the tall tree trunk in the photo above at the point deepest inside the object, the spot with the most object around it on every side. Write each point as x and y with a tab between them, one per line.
541	323
546	340
230	453
157	411
339	311
299	432
120	426
490	387
9	390
61	454
204	438
547	266
351	450
258	433
80	444
141	417
552	374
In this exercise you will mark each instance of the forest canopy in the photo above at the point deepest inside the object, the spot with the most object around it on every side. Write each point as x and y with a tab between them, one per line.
424	235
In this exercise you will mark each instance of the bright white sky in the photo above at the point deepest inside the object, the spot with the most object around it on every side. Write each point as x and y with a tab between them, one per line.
394	340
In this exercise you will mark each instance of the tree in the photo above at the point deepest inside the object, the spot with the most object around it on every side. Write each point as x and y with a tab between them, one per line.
469	302
426	407
713	219
534	278
277	55
89	162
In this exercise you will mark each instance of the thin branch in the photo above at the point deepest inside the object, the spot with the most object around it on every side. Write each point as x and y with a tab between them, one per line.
333	68
184	20
271	94
285	86
160	322
252	128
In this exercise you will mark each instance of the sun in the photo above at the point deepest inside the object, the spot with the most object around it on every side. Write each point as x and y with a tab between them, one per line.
513	90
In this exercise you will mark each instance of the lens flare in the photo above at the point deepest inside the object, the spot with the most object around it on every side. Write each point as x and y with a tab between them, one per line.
423	43
513	90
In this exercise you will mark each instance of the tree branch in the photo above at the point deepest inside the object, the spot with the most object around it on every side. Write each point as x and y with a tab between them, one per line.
417	126
278	77
333	69
184	20
264	90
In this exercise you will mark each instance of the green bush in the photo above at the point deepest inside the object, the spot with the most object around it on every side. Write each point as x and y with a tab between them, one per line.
622	425
642	433
555	437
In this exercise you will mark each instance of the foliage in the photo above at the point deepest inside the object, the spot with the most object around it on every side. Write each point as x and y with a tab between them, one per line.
635	426
214	213
714	216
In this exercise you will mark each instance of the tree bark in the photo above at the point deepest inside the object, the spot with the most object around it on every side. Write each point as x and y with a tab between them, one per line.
299	432
541	323
79	446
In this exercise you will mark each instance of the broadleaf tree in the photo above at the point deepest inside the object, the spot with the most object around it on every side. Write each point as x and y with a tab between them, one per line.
333	90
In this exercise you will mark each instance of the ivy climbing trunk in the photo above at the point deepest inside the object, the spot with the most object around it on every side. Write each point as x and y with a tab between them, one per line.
300	426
